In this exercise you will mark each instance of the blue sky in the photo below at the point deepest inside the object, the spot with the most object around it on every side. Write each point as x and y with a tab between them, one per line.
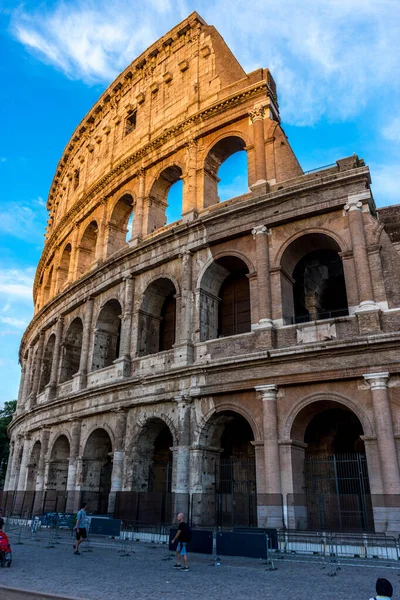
336	64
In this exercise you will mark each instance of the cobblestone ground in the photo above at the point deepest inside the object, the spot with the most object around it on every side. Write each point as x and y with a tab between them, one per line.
148	574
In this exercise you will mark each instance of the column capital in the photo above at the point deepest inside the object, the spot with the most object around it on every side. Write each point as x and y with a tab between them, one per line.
377	381
260	230
354	201
268	392
257	114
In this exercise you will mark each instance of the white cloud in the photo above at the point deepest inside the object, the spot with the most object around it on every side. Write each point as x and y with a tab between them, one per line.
15	284
329	57
385	183
23	220
19	323
392	131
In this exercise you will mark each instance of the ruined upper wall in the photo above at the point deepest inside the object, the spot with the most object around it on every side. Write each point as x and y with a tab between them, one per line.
182	73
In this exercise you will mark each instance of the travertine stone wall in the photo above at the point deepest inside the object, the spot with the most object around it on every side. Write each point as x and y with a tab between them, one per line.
125	363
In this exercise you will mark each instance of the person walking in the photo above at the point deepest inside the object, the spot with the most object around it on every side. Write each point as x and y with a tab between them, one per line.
182	535
80	527
384	589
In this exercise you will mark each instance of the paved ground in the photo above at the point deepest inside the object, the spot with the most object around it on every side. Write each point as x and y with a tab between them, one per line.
147	574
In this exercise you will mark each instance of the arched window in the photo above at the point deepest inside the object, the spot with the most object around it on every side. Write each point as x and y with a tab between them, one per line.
58	465
153	460
312	280
63	270
160	199
87	248
72	350
157	318
222	182
118	227
107	335
47	363
225	299
97	469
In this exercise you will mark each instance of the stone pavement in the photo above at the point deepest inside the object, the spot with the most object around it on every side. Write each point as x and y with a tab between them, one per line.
147	574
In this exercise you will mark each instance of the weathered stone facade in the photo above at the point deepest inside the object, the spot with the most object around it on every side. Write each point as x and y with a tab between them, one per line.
217	340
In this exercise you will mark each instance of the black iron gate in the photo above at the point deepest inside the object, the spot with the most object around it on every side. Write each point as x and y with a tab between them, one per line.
337	492
236	500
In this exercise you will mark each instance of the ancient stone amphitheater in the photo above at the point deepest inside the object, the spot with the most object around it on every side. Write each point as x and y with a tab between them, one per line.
241	362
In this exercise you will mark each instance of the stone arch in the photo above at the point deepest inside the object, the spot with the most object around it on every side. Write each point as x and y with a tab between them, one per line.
328	463
72	347
64	267
327	397
58	463
157	317
227	407
87	248
118	224
224	292
218	152
155	210
33	466
47	362
107	335
341	244
97	469
312	278
152	457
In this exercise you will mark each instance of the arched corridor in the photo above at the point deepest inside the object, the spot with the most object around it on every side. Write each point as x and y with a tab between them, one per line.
107	336
96	470
219	153
58	465
152	466
72	350
157	319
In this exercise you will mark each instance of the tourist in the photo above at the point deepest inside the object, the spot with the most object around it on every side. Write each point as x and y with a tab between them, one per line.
384	589
80	527
182	535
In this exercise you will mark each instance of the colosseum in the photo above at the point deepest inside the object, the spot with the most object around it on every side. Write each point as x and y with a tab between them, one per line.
242	362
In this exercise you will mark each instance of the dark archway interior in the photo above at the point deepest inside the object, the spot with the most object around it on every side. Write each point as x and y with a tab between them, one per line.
72	350
97	464
33	467
160	475
47	363
319	290
334	431
157	318
107	336
58	466
168	323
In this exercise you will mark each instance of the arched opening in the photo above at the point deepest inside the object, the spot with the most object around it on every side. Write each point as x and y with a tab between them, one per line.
97	469
47	362
47	287
63	269
152	471
225	299
87	249
228	470
160	199
174	202
118	227
33	467
234	177
312	280
331	474
107	335
58	465
72	347
157	318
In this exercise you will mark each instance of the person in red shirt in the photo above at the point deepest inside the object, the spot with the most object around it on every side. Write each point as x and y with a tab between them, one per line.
5	550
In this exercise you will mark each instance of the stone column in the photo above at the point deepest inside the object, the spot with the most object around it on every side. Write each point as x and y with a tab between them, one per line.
80	378
257	120
124	361
24	463
181	452
9	465
28	370
137	225
38	370
389	465
15	465
260	234
101	247
189	208
73	264
359	245
118	459
55	365
44	446
72	492
273	508
184	349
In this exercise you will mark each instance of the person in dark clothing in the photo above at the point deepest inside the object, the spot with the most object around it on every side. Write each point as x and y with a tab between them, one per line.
182	538
384	589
